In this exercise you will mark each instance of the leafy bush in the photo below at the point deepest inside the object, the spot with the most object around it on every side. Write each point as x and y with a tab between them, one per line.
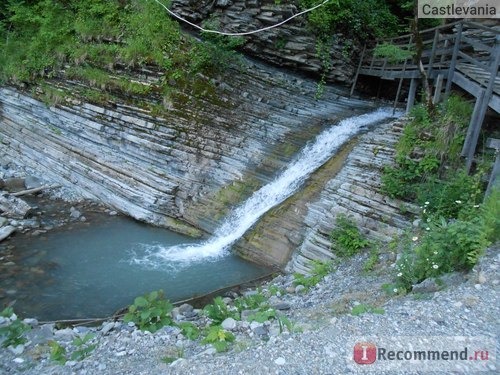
83	347
12	332
219	338
189	330
318	272
363	309
449	245
428	156
218	311
355	18
346	238
150	312
392	52
57	352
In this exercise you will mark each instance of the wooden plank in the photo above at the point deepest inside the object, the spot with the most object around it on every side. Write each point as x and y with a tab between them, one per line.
357	71
453	62
411	95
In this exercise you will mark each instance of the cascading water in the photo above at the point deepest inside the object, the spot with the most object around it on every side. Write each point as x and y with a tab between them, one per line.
243	217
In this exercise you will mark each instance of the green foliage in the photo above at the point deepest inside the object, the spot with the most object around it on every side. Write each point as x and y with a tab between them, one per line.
251	302
443	247
219	338
218	311
150	312
372	260
428	155
346	238
189	330
392	52
319	271
354	18
83	347
363	309
57	353
12	333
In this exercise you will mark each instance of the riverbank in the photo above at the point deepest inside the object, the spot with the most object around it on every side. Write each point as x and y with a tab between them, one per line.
326	321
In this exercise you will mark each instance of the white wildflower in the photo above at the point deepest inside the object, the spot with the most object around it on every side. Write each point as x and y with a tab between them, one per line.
400	274
414	238
458	202
476	206
426	203
435	266
427	228
395	290
435	252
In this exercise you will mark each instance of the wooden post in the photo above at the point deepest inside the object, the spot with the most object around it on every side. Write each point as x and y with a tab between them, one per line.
396	99
494	181
433	52
357	71
481	107
438	86
411	94
453	63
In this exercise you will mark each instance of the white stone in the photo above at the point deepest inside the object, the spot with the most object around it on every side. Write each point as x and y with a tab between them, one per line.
229	324
280	361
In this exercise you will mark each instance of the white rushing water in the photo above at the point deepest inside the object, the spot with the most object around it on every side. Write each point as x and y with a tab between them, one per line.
284	185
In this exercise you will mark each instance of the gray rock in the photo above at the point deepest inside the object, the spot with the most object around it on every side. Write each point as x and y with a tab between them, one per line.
32	182
229	324
74	213
280	305
106	327
432	284
245	314
280	361
41	335
185	308
6	232
17	350
300	289
260	331
13	184
31	321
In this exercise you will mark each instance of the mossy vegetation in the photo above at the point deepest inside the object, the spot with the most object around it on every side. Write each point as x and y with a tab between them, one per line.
103	45
456	223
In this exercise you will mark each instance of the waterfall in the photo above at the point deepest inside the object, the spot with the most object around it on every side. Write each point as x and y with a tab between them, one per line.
284	185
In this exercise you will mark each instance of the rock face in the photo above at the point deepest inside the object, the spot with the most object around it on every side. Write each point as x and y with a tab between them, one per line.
356	192
291	45
176	170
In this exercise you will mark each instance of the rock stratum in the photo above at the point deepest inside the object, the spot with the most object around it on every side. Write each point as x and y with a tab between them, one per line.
292	45
183	169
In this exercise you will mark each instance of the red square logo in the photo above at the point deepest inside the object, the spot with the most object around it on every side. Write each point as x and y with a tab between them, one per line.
365	353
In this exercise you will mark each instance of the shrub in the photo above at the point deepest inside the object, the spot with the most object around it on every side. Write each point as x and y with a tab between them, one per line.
319	271
150	312
218	311
346	238
12	332
219	338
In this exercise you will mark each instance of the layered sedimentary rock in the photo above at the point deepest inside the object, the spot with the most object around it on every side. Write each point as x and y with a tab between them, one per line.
291	45
356	192
182	170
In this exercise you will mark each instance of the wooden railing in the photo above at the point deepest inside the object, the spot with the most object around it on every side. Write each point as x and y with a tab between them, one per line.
464	53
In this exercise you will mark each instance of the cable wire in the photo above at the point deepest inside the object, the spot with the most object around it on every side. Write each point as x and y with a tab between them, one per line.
242	33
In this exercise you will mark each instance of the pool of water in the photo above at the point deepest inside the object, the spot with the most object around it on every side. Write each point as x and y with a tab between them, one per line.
87	271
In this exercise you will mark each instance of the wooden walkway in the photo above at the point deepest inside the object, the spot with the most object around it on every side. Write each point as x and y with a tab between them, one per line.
463	53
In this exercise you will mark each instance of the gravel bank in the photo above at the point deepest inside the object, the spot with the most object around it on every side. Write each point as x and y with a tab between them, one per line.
468	307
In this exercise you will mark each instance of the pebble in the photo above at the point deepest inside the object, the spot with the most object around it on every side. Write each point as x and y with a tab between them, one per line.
229	324
280	361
